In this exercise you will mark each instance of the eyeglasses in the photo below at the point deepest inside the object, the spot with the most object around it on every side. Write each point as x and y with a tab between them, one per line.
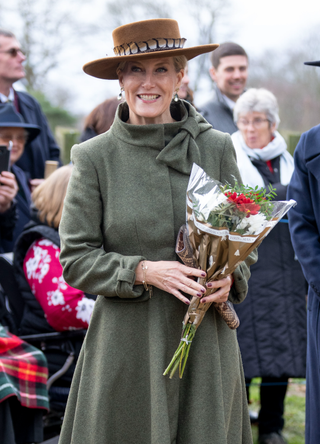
256	123
21	138
13	52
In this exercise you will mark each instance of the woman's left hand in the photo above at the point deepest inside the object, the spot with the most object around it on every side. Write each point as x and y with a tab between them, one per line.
221	295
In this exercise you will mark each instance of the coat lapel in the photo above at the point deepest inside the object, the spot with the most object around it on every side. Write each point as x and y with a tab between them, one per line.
312	153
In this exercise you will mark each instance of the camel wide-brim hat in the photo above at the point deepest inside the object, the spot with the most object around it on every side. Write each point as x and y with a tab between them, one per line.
147	39
313	63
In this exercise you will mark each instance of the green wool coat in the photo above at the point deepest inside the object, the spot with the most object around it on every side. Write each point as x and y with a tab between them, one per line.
125	202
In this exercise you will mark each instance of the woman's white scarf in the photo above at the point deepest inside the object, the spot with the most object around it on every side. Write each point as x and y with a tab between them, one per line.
249	173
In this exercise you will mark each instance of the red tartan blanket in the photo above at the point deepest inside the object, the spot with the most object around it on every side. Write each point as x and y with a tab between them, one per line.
23	372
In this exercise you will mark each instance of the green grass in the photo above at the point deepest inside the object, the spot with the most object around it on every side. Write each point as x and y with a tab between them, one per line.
294	410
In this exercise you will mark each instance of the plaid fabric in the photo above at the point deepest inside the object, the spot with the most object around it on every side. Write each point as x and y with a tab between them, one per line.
23	372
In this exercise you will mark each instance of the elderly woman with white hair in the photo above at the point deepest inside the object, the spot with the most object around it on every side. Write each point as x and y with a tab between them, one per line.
272	332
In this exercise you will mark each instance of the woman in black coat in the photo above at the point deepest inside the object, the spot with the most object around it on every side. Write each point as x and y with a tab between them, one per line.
272	332
52	305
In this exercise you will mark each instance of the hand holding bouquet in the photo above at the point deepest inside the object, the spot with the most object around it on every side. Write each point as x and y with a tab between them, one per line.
224	225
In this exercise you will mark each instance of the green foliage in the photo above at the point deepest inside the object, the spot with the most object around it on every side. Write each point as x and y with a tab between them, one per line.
256	193
224	215
55	114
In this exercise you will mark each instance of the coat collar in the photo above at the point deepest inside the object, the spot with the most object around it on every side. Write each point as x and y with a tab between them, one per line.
311	141
176	142
24	99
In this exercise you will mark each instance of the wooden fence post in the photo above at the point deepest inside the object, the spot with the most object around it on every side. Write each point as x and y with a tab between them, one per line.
66	138
292	138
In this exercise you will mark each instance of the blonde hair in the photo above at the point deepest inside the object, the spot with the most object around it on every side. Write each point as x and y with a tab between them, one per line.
180	62
49	197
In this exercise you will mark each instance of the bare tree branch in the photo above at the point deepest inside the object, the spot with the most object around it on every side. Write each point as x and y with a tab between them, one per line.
296	86
43	28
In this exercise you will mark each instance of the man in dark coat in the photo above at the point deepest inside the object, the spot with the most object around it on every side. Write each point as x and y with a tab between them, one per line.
304	224
229	71
43	147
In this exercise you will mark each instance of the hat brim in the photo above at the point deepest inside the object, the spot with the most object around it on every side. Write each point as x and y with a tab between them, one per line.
317	63
33	130
106	68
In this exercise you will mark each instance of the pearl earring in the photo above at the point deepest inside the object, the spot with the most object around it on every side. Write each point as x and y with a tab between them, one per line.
120	93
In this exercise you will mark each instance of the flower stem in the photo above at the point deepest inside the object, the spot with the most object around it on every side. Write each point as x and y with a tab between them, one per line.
191	336
185	345
174	369
181	354
173	360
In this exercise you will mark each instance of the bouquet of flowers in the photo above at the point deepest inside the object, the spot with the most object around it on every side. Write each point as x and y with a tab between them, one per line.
224	225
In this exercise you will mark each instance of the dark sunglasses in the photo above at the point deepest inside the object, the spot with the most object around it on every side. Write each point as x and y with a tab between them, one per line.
13	52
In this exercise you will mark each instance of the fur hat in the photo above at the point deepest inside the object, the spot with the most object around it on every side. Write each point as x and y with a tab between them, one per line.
147	39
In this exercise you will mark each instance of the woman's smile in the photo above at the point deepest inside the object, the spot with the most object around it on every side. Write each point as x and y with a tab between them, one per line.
148	97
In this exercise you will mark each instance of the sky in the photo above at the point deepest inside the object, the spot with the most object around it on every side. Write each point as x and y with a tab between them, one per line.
257	26
268	24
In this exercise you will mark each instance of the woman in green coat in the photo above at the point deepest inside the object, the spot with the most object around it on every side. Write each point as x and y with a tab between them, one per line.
125	203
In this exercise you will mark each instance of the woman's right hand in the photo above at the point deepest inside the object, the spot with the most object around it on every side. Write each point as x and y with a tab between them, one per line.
172	277
8	190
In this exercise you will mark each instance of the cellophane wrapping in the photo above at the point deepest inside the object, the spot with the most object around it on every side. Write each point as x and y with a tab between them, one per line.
222	228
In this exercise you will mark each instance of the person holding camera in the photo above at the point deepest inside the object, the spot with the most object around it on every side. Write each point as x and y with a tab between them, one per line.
13	128
8	217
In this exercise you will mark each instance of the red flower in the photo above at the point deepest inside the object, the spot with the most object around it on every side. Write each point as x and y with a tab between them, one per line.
243	203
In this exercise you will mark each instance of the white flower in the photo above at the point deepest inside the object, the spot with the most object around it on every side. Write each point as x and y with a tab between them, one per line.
40	261
61	283
243	224
200	217
84	309
55	298
211	202
47	243
253	224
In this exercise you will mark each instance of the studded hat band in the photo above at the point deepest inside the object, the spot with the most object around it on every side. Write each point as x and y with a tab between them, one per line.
159	44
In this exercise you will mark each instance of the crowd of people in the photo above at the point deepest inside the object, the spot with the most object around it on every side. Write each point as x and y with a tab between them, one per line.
106	225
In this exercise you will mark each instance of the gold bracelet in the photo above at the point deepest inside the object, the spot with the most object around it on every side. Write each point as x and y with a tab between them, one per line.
144	271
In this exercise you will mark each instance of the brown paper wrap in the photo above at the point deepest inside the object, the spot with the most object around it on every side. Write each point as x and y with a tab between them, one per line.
196	310
218	255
